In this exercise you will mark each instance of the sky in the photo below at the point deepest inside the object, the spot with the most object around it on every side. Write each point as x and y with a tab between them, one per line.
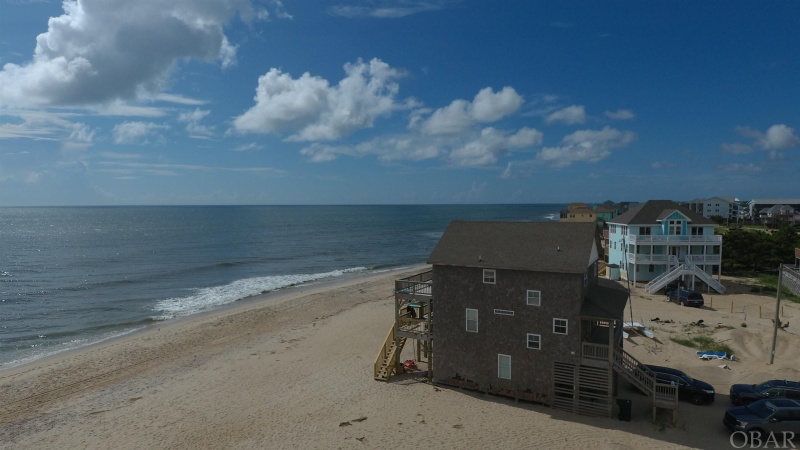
215	102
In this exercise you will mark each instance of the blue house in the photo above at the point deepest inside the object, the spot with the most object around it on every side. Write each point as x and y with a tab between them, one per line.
660	241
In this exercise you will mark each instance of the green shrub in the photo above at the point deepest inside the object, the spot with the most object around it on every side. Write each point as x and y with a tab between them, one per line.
705	343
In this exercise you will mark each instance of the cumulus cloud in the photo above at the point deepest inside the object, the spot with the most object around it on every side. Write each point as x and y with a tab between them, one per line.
460	115
586	146
570	115
622	114
491	144
100	51
313	110
138	132
777	137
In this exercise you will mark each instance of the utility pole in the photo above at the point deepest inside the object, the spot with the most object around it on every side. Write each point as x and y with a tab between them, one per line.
777	314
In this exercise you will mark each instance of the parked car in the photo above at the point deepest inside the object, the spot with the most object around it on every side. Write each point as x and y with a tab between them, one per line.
772	415
687	298
742	394
695	391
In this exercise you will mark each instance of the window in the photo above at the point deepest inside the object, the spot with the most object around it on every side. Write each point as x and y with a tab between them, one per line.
489	276
585	279
651	268
504	366
674	227
472	320
697	231
534	341
504	312
534	298
560	326
644	231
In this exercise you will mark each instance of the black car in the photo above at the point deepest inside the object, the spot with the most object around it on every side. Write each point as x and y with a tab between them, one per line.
695	391
742	394
779	416
686	298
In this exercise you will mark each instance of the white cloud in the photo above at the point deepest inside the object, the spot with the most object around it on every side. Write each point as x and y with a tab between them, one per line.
622	114
138	132
586	146
313	110
460	115
570	115
100	51
492	144
192	120
779	137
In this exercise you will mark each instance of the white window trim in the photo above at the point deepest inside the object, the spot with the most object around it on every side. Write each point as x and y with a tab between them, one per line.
566	325
466	325
493	276
528	298
504	312
538	342
499	358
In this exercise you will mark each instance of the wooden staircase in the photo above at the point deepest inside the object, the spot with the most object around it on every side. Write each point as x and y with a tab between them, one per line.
386	361
663	395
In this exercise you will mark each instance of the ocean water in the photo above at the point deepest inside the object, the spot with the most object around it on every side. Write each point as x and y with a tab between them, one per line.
71	277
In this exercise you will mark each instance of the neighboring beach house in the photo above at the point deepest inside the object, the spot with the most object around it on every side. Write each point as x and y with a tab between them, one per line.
725	207
517	309
661	241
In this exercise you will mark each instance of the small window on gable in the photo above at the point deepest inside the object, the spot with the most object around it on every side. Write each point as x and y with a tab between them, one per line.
534	341
534	298
489	276
560	326
504	366
472	320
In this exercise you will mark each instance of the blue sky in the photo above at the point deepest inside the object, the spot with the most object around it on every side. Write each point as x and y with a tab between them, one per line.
113	102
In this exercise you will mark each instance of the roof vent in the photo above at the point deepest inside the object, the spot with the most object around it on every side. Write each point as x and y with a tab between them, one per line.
558	249
480	259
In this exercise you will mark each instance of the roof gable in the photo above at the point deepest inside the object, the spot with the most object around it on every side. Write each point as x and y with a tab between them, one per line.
531	246
655	211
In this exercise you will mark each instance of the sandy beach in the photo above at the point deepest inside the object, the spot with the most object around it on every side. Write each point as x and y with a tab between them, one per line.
293	369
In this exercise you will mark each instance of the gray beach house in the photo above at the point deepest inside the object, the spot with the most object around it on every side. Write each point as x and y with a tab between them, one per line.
517	309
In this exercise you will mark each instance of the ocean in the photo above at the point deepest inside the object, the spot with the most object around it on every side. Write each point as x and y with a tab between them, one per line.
71	277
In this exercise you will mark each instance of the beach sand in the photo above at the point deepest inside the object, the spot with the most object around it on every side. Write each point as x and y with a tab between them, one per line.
293	370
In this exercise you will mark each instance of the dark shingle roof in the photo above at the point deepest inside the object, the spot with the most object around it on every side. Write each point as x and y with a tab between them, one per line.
532	246
607	300
655	210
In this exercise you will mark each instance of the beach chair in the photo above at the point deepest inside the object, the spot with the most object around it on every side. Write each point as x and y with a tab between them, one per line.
714	355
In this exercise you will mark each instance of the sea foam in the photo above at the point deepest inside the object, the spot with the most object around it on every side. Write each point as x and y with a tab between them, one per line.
209	298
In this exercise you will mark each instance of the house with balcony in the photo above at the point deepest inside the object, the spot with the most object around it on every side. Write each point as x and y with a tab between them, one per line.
724	207
517	309
660	241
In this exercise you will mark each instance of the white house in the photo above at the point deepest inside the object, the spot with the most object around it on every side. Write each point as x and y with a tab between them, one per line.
660	241
725	207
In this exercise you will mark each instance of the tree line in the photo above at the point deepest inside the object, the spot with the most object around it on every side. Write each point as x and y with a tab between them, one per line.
756	251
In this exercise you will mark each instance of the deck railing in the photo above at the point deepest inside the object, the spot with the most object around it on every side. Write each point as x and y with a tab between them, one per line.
597	353
673	239
419	284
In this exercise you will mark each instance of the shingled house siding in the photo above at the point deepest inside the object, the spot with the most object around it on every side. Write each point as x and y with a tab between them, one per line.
470	359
